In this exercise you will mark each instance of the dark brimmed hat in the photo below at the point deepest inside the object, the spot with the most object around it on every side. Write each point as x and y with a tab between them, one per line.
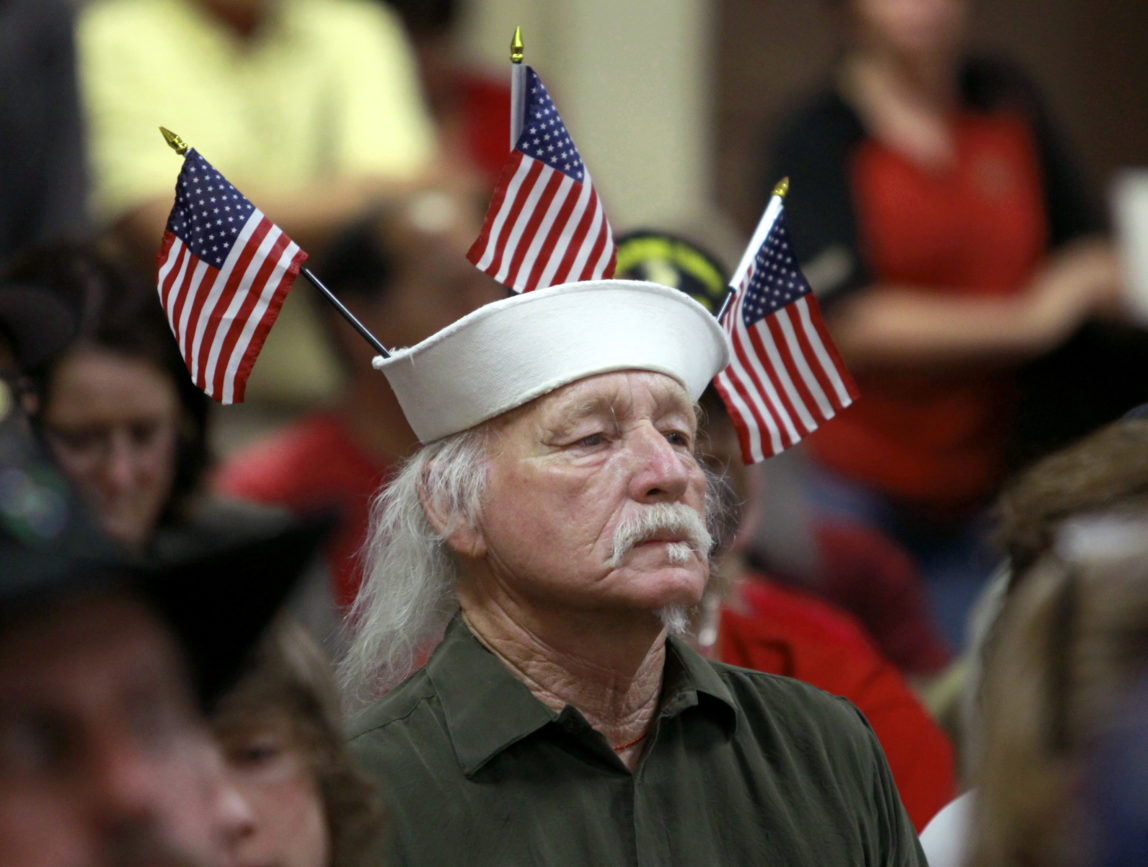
650	254
217	602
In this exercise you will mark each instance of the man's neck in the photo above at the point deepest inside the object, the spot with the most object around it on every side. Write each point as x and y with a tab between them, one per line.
613	678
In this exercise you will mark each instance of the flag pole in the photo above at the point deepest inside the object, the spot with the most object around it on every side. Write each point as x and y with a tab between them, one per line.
178	145
764	227
347	314
517	86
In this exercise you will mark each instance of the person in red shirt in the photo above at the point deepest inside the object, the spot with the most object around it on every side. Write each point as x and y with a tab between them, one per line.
403	274
949	241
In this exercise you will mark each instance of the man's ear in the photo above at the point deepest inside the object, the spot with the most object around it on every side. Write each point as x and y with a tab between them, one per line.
457	531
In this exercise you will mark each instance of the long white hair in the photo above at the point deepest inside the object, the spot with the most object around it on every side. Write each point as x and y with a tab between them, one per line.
407	596
408	591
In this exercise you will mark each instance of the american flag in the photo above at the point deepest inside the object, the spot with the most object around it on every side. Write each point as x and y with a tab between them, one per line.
786	376
545	224
224	272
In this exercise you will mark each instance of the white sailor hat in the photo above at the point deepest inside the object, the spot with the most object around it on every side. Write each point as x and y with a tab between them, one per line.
512	351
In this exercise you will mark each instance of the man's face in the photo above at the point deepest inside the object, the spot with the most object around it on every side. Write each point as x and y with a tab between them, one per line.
103	758
566	470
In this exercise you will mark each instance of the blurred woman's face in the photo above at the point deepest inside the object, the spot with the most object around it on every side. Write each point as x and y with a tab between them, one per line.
268	766
917	29
112	423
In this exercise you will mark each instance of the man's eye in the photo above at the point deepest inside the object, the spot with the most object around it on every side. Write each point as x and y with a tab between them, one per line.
678	438
594	439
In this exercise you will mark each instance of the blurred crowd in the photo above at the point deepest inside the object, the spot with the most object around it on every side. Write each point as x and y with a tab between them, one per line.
962	554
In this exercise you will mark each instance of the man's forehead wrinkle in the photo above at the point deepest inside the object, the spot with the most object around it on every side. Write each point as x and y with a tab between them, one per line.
613	398
617	396
591	405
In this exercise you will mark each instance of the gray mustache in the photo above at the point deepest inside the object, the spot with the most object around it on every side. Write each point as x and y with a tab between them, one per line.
675	518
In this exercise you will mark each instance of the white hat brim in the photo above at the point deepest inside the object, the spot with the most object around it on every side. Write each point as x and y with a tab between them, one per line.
512	351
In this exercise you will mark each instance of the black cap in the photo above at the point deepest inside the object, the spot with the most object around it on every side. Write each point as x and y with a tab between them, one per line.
661	257
220	601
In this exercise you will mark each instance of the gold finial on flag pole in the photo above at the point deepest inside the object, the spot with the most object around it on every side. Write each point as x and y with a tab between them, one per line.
782	188
180	147
173	141
517	86
517	49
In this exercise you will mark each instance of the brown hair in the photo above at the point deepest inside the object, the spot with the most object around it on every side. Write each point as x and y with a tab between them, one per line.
1107	469
1071	642
118	311
289	677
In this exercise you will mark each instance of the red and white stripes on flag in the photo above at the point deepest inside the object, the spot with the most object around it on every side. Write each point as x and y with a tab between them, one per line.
785	376
545	224
224	270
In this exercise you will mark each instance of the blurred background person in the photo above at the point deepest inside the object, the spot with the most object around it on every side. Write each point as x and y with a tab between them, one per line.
470	104
1112	782
105	669
281	732
43	165
115	405
949	240
1068	654
404	274
117	410
311	107
1104	473
751	619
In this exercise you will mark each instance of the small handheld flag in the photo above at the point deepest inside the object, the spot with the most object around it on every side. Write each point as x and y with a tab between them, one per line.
545	224
224	270
785	376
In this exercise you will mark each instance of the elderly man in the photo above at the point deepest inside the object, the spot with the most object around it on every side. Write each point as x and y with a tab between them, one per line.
104	757
559	508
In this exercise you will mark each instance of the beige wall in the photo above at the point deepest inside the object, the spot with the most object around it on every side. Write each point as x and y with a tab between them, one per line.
632	82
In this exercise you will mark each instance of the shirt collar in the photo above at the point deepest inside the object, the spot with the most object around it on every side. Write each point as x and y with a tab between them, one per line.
487	709
692	681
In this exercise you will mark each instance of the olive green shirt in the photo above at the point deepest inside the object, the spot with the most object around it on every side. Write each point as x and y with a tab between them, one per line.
739	767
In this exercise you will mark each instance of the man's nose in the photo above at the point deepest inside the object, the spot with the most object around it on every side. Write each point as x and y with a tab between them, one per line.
663	471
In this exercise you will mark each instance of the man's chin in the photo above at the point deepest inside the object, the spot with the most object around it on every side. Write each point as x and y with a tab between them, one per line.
676	619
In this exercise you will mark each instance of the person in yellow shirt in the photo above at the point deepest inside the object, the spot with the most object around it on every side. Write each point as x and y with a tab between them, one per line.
311	107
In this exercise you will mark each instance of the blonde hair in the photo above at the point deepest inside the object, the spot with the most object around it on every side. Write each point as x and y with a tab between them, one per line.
1069	645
